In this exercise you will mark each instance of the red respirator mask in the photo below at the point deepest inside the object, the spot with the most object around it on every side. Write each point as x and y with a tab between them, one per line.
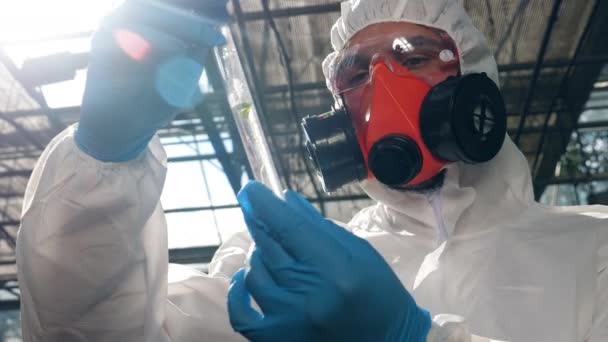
402	132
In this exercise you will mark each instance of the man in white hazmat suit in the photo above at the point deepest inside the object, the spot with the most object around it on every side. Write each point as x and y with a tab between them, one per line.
476	252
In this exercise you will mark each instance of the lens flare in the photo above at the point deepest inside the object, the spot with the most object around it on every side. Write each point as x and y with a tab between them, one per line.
134	45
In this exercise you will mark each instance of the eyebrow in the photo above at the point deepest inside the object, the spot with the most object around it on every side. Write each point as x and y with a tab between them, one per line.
419	41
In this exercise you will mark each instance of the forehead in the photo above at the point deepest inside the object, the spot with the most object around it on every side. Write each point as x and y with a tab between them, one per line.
375	31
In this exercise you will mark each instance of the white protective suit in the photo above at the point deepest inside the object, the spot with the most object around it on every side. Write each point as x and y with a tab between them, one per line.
92	248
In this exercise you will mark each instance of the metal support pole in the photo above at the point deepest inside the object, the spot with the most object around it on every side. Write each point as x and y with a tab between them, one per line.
215	79
536	73
563	87
232	171
27	135
37	96
7	237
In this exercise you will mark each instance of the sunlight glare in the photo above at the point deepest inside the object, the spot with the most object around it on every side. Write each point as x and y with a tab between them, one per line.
23	20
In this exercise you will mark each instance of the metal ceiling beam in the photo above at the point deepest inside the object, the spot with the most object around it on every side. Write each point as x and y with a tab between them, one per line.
6	217
7	262
8	195
10	305
575	179
55	112
13	156
196	255
32	92
238	158
231	170
16	173
195	209
338	198
25	133
192	158
557	63
293	11
536	73
10	240
596	125
573	97
563	87
53	38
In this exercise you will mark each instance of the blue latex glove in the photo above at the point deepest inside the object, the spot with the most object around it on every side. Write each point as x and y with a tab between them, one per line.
315	281
145	66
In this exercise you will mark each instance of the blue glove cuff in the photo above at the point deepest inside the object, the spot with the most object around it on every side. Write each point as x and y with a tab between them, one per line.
425	325
109	153
414	326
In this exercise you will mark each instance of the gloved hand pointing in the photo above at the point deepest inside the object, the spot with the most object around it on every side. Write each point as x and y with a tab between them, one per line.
315	281
145	65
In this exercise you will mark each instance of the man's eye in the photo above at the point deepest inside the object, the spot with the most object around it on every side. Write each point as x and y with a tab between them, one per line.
415	62
359	78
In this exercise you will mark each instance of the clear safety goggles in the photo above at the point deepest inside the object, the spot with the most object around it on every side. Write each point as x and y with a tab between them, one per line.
421	55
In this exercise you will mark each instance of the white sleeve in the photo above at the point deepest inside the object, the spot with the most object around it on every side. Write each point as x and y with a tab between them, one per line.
196	309
452	328
232	255
87	228
92	255
599	328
